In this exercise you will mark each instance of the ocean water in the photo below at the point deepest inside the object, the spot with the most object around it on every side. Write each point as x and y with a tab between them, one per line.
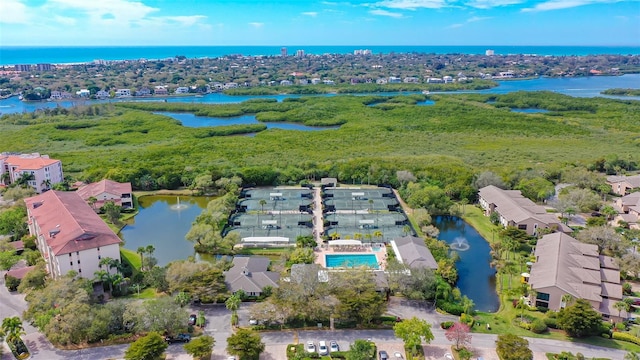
11	55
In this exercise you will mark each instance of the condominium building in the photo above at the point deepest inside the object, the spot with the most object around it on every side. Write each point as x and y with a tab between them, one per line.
37	171
70	235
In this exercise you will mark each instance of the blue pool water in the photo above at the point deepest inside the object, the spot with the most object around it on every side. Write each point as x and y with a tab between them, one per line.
352	260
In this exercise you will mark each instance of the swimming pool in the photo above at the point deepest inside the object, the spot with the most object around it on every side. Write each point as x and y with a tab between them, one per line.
351	260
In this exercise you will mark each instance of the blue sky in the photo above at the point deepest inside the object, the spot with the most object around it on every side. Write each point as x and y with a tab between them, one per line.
301	22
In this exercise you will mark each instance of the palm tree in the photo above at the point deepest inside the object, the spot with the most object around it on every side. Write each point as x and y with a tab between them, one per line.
141	250
566	300
622	305
609	211
105	277
262	203
12	327
5	178
377	234
92	202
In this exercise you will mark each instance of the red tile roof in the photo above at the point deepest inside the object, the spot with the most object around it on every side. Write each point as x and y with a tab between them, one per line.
19	273
68	223
23	163
104	186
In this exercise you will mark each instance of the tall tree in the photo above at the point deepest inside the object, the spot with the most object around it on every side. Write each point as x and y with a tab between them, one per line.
12	328
246	344
200	347
579	319
512	347
459	334
148	347
413	332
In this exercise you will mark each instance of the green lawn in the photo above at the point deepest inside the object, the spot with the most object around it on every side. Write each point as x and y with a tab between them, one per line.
132	258
273	254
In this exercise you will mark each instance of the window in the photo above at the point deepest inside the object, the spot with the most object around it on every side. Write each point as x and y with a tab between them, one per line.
80	271
99	257
542	296
522	227
69	254
70	263
78	253
542	304
78	262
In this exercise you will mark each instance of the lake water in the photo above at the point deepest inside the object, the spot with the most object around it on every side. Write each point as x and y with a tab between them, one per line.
163	223
191	120
476	278
530	111
579	87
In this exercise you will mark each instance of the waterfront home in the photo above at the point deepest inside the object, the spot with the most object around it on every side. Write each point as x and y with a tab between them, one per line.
381	81
69	234
411	80
55	95
83	93
316	81
123	92
413	252
230	85
98	193
566	269
394	80
250	274
37	171
622	185
182	90
328	82
433	80
101	94
143	92
286	83
161	90
516	210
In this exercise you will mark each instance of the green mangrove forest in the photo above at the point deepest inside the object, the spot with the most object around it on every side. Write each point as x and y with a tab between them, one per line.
445	144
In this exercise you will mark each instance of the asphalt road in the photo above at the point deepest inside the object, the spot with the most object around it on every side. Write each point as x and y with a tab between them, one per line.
218	326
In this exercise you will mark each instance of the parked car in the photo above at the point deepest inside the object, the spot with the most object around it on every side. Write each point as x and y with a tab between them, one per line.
311	347
184	338
322	348
253	322
382	355
192	319
333	346
448	356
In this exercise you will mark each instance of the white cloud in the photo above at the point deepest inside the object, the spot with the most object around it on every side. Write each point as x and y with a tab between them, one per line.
185	20
566	4
64	20
14	12
310	13
469	20
488	4
381	12
412	4
122	11
256	25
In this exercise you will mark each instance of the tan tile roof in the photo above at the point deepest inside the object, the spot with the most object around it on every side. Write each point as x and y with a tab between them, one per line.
68	223
414	252
633	180
512	205
250	274
574	267
104	186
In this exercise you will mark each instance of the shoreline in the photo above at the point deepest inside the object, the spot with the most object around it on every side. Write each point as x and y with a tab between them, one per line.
220	51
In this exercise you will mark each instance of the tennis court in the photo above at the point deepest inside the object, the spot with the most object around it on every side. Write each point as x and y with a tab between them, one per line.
272	226
367	235
275	199
366	221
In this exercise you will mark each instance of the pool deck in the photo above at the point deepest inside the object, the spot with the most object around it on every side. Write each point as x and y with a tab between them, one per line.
381	253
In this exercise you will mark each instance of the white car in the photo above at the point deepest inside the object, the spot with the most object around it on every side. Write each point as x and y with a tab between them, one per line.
253	322
448	356
311	347
322	348
333	346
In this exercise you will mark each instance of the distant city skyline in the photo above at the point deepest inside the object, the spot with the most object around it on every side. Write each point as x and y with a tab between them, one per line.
314	22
